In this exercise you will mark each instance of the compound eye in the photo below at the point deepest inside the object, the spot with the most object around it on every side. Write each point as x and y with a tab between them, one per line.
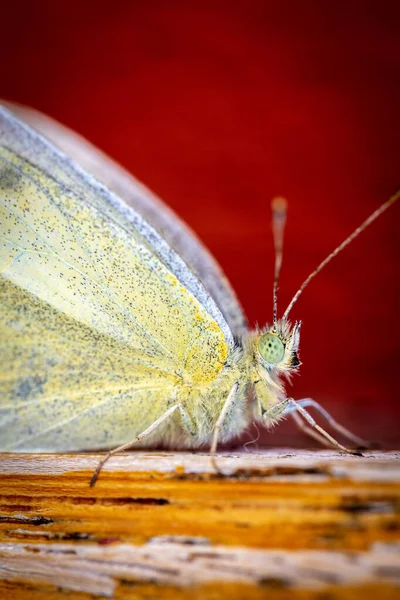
271	348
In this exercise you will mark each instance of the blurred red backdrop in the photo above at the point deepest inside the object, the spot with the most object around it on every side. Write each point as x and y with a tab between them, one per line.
218	106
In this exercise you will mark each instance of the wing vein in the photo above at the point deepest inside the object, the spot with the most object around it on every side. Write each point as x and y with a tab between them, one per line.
78	394
123	309
67	421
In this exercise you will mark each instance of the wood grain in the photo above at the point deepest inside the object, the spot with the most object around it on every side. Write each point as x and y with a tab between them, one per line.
284	524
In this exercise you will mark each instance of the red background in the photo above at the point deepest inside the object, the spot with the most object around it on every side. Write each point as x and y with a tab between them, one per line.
218	106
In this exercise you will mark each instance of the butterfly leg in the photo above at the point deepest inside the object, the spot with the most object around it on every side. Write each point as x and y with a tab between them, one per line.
317	431
142	436
309	402
309	430
228	405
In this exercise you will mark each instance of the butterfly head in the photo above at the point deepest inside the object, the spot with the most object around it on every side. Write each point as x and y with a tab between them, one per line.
277	347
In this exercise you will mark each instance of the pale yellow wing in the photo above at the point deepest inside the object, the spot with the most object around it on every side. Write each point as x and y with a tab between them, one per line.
95	330
177	233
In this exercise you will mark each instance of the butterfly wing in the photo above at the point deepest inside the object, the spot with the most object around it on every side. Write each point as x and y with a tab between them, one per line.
99	319
178	235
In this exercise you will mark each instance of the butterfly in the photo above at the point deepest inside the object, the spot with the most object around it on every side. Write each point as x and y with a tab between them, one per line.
116	324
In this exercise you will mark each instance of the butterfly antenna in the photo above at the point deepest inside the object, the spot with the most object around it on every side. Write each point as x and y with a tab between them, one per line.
279	211
343	245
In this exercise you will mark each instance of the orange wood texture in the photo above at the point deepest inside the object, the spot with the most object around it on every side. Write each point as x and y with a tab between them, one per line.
162	525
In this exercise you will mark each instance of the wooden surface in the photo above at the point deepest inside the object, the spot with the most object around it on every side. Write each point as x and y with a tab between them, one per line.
277	525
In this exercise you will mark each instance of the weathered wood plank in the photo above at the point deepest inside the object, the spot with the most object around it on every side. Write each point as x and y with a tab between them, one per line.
157	524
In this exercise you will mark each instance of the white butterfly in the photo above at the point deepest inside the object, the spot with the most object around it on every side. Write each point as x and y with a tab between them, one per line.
116	324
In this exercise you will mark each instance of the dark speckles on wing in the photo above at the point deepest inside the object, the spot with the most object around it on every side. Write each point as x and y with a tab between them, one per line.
29	387
96	332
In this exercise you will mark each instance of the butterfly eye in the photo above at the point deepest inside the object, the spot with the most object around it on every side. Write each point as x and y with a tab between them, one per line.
271	348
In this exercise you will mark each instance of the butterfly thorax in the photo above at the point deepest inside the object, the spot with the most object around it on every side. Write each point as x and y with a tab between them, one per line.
256	367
